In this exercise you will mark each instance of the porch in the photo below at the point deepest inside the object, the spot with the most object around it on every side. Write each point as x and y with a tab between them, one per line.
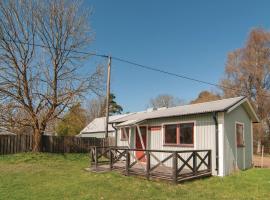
175	166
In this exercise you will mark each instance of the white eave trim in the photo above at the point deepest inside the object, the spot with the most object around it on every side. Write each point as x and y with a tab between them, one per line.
245	100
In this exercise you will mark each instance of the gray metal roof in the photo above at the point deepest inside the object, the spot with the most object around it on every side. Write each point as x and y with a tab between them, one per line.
98	124
199	108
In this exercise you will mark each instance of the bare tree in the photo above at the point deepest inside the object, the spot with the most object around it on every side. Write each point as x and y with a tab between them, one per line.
248	73
164	100
39	60
97	107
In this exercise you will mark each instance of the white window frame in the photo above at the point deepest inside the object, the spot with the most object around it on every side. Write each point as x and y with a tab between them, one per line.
129	131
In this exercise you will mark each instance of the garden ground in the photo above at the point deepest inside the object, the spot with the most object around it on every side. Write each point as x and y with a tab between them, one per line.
62	176
257	160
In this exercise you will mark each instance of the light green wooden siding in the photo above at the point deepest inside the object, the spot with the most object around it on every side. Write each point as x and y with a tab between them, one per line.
204	135
237	158
125	143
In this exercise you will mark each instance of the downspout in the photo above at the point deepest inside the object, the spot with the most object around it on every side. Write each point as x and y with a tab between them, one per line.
217	141
116	134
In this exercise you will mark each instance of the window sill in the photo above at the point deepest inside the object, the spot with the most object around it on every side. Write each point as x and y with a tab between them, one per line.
240	146
122	140
178	145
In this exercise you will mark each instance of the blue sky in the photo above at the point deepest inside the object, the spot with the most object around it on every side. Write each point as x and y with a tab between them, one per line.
186	37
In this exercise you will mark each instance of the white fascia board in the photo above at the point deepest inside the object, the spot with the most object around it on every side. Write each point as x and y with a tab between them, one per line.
245	100
236	105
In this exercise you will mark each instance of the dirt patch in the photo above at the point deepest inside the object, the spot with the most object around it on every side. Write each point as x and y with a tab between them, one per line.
257	161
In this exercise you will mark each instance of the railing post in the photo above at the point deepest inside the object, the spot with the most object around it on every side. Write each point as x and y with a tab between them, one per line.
194	162
148	163
111	158
209	161
127	162
96	158
91	155
174	167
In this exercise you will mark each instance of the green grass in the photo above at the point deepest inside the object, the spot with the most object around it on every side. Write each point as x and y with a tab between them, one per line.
52	176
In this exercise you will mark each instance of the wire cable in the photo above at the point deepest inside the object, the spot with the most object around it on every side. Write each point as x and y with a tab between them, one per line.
156	69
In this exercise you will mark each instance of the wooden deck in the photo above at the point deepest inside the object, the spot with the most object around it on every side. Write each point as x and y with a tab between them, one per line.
161	172
117	159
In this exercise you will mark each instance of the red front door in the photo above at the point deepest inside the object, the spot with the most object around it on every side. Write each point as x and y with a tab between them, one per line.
139	145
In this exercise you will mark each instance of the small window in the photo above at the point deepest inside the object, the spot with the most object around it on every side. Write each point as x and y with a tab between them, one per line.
124	136
240	134
179	134
170	134
186	133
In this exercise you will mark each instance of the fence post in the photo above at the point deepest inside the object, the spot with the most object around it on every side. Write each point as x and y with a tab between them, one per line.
91	155
209	161
194	162
96	158
148	163
127	162
174	167
262	156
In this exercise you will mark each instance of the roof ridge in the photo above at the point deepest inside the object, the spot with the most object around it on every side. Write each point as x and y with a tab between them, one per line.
203	102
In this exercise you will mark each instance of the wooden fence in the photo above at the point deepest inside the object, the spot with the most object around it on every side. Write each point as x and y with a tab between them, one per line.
69	144
10	144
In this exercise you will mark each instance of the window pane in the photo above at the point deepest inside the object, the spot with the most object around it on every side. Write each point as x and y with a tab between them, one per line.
170	134
127	132
239	134
186	133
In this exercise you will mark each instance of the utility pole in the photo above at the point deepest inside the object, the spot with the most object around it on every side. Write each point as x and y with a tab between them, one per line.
108	95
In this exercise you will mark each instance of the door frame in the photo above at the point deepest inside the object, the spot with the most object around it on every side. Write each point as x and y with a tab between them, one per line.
135	135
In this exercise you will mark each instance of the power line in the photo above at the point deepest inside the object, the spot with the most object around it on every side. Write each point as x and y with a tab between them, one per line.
164	72
176	75
152	68
49	47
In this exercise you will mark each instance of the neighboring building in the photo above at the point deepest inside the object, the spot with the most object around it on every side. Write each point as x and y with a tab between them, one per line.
97	127
4	131
223	126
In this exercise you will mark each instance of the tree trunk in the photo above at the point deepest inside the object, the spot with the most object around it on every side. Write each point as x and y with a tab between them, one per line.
37	140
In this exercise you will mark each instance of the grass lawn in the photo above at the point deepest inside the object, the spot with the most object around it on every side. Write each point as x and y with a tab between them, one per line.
52	176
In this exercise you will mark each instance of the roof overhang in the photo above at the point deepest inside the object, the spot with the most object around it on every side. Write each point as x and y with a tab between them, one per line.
130	123
202	108
96	132
249	109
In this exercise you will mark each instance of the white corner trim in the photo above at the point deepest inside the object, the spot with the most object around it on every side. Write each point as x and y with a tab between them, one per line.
221	144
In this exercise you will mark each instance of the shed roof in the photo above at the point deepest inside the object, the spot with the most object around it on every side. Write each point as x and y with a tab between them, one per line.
199	108
98	124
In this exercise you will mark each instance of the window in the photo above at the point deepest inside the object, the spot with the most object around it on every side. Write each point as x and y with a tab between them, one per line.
240	134
170	134
179	134
186	133
124	137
